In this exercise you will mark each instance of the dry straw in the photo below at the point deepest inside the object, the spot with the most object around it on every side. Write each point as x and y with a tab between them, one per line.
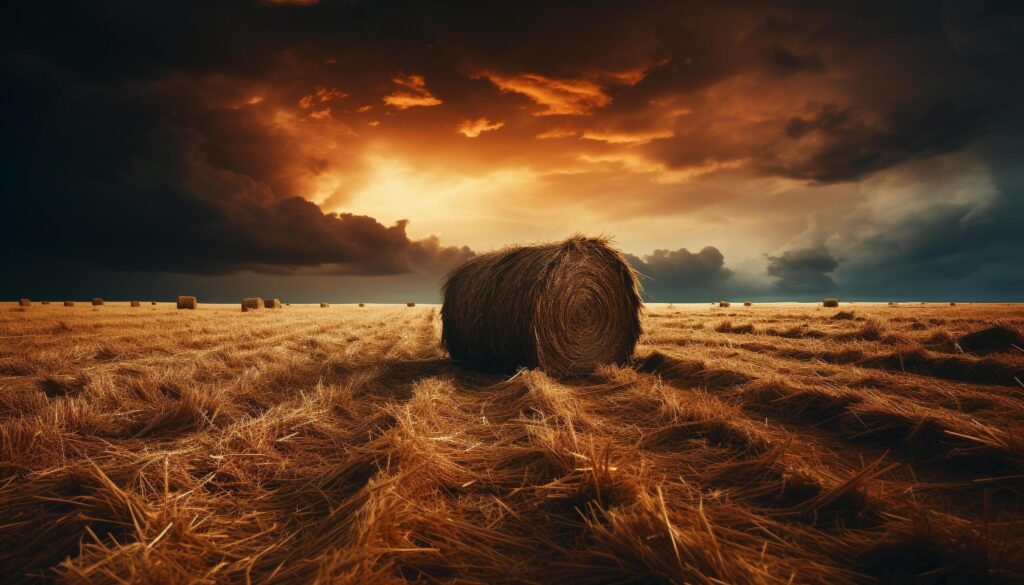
97	302
136	304
24	303
251	303
830	303
562	307
187	302
272	303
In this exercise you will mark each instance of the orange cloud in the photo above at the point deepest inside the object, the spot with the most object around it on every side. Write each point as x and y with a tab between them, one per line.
474	128
556	133
412	92
627	137
558	96
321	94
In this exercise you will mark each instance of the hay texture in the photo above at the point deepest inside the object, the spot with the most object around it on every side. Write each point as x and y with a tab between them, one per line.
136	304
251	304
187	302
272	303
69	303
97	302
830	303
562	307
24	303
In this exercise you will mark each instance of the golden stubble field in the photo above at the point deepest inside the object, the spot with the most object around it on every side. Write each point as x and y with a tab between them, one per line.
765	444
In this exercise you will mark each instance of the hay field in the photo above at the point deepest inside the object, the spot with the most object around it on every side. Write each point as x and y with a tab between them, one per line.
763	444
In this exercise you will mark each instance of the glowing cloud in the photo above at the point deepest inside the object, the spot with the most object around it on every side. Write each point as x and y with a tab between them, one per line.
412	92
474	128
322	94
558	96
627	137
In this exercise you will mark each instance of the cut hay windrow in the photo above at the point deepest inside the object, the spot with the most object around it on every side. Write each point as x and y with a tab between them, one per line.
830	303
185	302
136	304
272	303
562	307
24	303
251	304
97	302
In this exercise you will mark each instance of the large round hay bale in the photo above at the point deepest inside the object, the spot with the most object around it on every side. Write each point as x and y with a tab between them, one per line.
187	302
69	303
136	304
251	303
45	303
272	303
24	303
361	305
747	304
724	304
830	303
152	303
562	307
324	305
97	302
410	304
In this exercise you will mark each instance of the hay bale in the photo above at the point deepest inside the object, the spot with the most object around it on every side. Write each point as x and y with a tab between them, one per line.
152	303
45	302
361	305
272	303
69	303
24	303
324	305
136	304
724	304
747	303
185	302
952	304
563	307
97	302
251	303
830	303
410	304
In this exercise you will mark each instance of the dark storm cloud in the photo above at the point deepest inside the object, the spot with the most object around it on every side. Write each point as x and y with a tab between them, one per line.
681	275
804	271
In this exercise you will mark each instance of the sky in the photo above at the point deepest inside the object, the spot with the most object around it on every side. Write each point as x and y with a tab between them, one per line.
358	150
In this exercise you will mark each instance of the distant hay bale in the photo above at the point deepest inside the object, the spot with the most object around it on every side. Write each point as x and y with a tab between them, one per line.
136	304
361	305
830	303
45	302
410	304
152	302
251	303
324	305
562	307
24	303
952	304
724	304
747	303
69	303
97	302
185	302
271	303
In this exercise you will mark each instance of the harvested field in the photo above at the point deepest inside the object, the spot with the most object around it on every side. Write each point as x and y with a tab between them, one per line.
775	443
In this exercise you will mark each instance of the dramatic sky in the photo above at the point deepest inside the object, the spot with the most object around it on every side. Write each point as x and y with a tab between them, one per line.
356	150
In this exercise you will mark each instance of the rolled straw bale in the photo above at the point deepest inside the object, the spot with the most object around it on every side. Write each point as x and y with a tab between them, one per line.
562	307
136	304
747	303
410	304
271	303
152	302
830	303
97	302
361	305
324	305
187	302
724	304
45	302
69	303
24	303
251	303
